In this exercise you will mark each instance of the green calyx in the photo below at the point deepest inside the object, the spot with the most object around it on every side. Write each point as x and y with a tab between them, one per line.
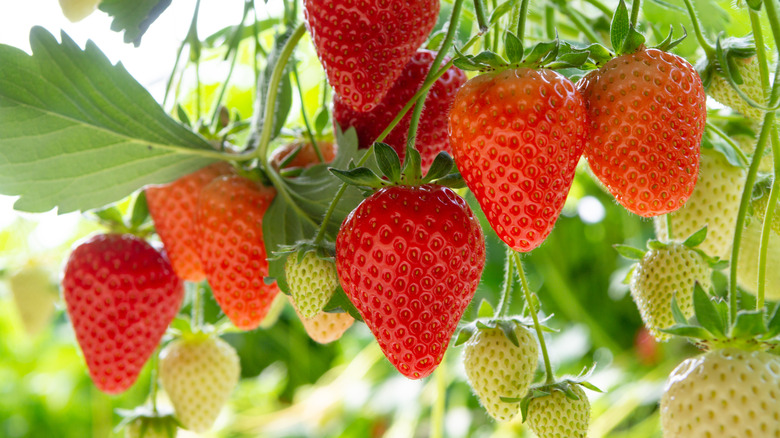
710	328
135	221
550	54
622	34
487	319
394	173
692	242
564	385
146	421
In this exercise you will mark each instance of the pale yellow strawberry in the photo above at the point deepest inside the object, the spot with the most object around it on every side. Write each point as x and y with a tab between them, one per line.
558	416
199	372
727	393
714	203
747	266
325	327
497	368
662	274
724	93
77	10
35	295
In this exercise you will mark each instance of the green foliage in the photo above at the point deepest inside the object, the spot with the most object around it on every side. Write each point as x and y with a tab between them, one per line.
133	16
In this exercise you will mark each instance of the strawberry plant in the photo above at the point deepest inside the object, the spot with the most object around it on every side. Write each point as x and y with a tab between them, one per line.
391	170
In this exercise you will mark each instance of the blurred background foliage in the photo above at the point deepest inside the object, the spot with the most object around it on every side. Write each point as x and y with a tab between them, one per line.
294	387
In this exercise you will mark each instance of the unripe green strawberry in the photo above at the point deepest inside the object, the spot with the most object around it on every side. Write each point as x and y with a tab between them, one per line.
199	372
667	271
34	293
723	393
714	203
497	368
724	93
151	427
312	281
747	265
558	416
325	327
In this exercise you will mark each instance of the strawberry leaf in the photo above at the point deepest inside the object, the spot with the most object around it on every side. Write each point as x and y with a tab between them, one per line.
388	161
541	51
619	28
696	238
508	327
77	132
133	16
340	302
514	48
706	312
629	252
441	167
749	324
773	327
464	335
485	310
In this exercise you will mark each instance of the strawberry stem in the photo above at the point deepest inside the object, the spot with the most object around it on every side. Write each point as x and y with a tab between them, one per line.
550	377
153	377
439	407
635	7
549	22
273	88
233	47
452	28
503	304
737	150
708	49
758	38
306	122
522	18
579	23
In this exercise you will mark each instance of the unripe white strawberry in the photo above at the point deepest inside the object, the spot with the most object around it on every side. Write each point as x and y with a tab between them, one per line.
35	295
77	10
724	93
497	368
199	372
325	327
664	272
558	416
714	203
723	393
312	281
747	266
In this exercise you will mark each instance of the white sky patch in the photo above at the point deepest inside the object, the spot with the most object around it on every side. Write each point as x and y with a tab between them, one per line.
591	210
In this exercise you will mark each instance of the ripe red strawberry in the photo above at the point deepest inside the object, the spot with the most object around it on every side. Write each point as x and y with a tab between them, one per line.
410	259
516	137
230	228
363	46
306	156
172	207
647	113
432	130
121	294
199	372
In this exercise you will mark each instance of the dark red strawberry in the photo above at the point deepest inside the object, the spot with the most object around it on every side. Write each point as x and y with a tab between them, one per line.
121	294
647	112
432	131
410	259
230	228
364	45
516	137
172	207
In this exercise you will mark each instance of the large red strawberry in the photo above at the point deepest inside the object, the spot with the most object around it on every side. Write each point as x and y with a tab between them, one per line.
410	259
647	113
516	137
230	228
121	294
432	130
364	45
172	207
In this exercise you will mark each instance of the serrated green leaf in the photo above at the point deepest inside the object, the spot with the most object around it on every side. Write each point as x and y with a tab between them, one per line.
677	314
133	16
706	313
77	133
360	177
696	238
514	48
749	324
388	161
441	166
619	27
485	310
629	252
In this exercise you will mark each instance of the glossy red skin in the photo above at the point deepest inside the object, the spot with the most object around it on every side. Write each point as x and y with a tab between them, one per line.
230	228
516	137
363	45
172	207
647	112
432	135
410	259
121	294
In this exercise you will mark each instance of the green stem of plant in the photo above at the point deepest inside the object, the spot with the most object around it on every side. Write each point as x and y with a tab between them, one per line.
306	122
606	10
549	376
497	33
735	147
273	88
452	29
196	313
169	84
580	24
636	6
549	22
763	60
235	40
708	49
153	378
440	404
479	10
506	286
522	19
281	189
